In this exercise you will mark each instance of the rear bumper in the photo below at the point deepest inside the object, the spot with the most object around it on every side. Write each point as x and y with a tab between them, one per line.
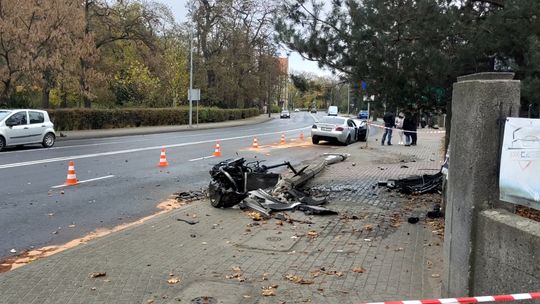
329	136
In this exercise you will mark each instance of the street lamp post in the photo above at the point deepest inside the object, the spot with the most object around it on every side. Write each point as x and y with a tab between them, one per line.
190	78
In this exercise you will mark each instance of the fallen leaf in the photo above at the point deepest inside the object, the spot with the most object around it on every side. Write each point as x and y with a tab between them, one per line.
368	227
256	216
312	234
93	288
435	275
237	269
98	274
298	279
359	269
268	291
173	280
315	273
71	226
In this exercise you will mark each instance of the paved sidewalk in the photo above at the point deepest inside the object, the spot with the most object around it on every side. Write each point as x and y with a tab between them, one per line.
85	134
367	253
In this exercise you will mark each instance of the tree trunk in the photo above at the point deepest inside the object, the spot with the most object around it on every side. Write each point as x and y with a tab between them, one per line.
45	93
4	97
63	97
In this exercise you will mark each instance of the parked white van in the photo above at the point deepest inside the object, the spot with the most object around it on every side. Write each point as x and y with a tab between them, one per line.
332	111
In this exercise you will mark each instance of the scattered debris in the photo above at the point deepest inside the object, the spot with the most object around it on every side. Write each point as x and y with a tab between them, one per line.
98	274
190	196
416	184
173	280
187	221
359	270
413	220
435	213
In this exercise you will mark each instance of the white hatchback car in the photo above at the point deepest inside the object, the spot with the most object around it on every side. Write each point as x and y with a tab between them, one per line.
23	127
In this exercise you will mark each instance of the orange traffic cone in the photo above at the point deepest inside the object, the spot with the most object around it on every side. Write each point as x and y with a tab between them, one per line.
255	144
282	141
71	179
217	150
302	135
162	159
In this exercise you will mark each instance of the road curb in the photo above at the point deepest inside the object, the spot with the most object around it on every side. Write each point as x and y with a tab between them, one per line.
107	133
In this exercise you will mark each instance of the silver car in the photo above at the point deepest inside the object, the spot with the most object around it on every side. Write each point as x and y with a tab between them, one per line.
334	128
23	127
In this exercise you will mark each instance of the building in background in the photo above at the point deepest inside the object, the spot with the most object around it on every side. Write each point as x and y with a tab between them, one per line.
283	82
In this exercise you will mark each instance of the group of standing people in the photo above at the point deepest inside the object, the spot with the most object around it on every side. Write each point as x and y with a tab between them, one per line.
406	125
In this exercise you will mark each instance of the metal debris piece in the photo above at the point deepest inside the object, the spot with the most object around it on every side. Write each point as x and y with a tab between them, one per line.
417	184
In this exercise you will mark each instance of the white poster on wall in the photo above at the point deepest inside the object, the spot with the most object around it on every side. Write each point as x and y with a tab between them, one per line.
519	180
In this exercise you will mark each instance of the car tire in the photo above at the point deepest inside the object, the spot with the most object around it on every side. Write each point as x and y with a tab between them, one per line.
2	143
48	140
348	140
315	140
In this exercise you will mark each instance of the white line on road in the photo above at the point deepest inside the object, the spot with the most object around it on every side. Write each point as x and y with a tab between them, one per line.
74	157
201	158
85	181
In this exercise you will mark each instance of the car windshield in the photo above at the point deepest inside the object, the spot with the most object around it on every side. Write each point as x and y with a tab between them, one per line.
333	120
3	114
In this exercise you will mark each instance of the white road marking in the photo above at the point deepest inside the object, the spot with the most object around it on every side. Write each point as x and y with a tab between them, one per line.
201	158
74	157
85	181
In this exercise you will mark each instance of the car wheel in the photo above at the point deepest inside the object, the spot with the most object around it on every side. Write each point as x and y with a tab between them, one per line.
348	140
48	140
2	143
315	140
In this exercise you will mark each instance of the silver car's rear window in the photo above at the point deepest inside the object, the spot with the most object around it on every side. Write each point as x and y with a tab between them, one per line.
333	120
3	114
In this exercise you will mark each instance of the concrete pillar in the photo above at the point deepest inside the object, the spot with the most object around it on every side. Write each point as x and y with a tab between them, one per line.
479	103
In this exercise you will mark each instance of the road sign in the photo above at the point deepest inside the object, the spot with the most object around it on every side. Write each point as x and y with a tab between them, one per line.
195	93
364	85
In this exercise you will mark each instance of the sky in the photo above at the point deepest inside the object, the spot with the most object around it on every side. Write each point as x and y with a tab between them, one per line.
296	63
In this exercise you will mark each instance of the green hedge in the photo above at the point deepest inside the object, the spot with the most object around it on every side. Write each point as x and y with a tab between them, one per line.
87	119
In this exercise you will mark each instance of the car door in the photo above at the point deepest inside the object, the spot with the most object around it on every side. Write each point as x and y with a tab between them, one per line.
36	126
353	129
17	132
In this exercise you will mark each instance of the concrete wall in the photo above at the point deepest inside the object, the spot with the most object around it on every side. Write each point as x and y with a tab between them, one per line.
479	102
507	254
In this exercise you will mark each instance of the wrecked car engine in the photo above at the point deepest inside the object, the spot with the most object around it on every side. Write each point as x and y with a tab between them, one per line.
232	180
250	185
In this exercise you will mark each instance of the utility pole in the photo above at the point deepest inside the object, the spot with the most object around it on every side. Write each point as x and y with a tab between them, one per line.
190	78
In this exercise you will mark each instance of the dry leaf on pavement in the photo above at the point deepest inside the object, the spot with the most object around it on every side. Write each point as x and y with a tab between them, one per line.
368	227
359	269
268	291
256	216
312	234
298	280
173	280
97	274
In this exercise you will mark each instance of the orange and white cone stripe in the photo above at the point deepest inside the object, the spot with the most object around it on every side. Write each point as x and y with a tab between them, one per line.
255	144
162	159
484	299
217	150
283	140
71	178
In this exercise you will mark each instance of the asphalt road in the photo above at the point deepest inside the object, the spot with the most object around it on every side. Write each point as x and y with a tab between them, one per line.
125	182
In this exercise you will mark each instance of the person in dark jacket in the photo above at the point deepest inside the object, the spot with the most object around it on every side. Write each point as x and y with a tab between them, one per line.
414	127
408	126
389	123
